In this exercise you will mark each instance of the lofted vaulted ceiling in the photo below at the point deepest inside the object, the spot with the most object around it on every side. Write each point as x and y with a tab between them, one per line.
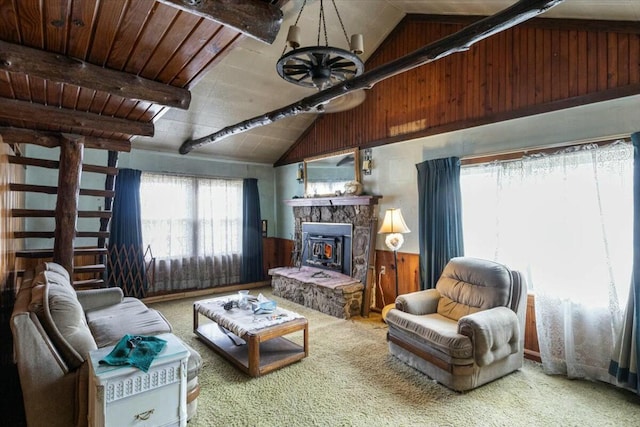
161	72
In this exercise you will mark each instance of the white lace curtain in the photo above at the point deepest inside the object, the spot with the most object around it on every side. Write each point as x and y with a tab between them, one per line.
565	221
194	228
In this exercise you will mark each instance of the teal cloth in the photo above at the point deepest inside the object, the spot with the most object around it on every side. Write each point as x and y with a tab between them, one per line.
135	350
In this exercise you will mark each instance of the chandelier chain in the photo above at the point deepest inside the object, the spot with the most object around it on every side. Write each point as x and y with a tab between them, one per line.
295	24
300	13
322	21
341	23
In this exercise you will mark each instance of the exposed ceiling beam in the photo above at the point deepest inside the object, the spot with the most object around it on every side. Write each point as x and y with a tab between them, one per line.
30	112
13	135
255	18
63	69
458	42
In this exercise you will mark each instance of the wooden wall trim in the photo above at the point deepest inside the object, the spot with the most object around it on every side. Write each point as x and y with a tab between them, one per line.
9	200
539	66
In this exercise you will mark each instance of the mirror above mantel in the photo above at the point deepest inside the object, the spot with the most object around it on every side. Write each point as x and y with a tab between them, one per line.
328	175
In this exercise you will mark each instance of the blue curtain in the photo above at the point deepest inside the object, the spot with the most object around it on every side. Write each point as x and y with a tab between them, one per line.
251	269
439	217
126	267
626	356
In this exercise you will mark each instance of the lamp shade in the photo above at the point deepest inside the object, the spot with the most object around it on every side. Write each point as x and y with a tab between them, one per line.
393	225
393	222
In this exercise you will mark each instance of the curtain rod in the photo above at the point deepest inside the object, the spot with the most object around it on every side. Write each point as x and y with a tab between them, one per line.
191	175
513	155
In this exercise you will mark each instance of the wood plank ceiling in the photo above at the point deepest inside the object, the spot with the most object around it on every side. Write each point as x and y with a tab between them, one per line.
146	45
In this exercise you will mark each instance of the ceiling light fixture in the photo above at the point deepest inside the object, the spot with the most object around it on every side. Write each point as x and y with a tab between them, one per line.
320	66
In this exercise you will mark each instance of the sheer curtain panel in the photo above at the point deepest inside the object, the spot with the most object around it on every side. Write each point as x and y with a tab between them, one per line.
564	220
194	228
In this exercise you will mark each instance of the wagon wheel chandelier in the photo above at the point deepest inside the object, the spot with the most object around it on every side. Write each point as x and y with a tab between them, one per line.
319	66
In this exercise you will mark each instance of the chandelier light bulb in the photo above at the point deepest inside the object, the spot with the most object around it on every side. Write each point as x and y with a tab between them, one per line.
357	44
293	37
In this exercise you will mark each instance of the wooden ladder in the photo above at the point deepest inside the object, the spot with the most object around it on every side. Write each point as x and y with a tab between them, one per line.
87	265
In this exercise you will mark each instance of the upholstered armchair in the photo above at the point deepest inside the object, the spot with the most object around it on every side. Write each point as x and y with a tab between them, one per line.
467	331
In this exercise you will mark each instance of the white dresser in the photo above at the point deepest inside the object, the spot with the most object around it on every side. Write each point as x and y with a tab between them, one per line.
122	396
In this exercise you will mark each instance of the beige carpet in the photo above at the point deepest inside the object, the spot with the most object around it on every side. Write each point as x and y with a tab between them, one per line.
349	379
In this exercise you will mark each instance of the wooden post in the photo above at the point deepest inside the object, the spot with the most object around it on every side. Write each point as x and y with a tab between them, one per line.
71	151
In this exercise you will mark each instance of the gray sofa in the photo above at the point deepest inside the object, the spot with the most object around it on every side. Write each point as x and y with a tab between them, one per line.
54	328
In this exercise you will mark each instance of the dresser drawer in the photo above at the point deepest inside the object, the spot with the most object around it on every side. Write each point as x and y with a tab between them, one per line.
158	407
124	396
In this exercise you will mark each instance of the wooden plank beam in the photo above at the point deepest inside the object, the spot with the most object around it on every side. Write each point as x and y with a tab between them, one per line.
112	171
457	42
13	135
49	189
43	189
257	19
42	213
54	164
63	69
30	112
48	253
28	161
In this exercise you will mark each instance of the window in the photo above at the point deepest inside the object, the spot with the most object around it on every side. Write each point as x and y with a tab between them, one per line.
566	217
565	221
194	228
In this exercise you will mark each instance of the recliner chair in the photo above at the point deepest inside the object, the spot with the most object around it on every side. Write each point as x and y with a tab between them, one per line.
467	331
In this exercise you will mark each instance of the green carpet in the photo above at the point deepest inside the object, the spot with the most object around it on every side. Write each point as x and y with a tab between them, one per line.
349	379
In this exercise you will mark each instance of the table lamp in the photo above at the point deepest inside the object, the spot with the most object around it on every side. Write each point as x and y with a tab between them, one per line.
393	226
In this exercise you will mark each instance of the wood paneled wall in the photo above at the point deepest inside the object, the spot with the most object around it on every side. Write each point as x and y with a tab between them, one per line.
408	276
276	252
8	247
8	200
531	346
538	66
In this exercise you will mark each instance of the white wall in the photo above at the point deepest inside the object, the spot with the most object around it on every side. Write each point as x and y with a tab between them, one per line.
394	174
287	187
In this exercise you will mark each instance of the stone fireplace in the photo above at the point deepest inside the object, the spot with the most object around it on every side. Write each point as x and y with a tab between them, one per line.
334	246
358	212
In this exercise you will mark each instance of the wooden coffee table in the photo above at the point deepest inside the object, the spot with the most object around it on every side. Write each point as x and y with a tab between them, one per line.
265	349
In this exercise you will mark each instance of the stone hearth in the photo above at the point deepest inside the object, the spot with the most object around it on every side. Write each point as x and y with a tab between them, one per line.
327	291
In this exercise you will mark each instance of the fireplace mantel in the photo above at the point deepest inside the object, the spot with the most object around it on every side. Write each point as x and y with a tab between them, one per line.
334	201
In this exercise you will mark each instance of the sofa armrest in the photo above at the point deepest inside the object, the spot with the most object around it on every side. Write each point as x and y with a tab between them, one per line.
46	383
494	334
91	299
419	303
